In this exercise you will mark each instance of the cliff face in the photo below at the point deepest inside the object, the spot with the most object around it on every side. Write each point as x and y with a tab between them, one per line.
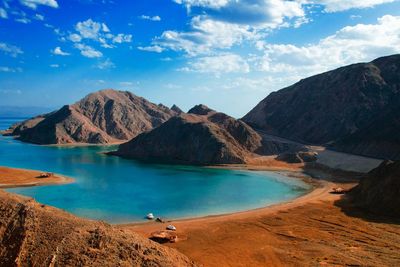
32	234
379	191
202	136
338	108
103	117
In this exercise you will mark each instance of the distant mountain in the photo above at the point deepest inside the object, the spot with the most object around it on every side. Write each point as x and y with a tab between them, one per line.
352	109
203	136
379	191
22	112
106	116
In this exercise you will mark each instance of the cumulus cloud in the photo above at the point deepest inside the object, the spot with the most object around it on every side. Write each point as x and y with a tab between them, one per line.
222	24
88	51
361	42
152	18
340	5
218	64
59	52
205	36
35	3
154	48
11	50
107	64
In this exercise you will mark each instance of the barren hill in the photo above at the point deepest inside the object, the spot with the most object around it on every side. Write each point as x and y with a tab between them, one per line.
106	116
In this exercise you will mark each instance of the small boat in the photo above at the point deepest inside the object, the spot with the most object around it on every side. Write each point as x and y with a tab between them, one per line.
150	216
171	227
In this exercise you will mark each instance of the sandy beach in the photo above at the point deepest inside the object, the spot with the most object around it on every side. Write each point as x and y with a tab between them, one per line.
12	177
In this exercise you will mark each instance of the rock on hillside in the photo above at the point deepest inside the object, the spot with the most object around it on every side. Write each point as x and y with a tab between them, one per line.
102	117
202	136
379	191
339	108
32	234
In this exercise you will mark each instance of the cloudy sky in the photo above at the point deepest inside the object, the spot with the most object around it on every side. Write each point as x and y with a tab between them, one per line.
228	54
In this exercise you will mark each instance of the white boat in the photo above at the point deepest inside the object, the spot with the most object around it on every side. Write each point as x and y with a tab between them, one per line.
171	227
150	216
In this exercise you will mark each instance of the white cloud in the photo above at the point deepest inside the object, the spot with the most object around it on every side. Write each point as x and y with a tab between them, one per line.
225	23
224	63
98	32
152	18
256	13
8	69
74	37
362	42
39	17
23	20
35	3
107	64
54	66
122	38
59	52
341	5
89	29
154	48
206	35
88	51
3	13
11	50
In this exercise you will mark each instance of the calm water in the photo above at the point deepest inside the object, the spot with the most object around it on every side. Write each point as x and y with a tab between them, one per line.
118	190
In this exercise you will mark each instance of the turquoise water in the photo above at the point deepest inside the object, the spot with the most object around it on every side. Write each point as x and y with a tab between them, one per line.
118	190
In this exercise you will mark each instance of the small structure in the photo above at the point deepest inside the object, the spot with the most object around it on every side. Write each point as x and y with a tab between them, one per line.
150	216
171	227
46	175
338	190
158	219
164	237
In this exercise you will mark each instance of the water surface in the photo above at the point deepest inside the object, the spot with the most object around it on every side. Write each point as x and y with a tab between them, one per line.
118	190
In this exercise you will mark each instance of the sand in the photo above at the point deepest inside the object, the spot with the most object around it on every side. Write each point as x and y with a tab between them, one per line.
11	177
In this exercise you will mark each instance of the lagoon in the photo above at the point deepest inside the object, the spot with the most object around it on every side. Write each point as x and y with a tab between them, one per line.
118	190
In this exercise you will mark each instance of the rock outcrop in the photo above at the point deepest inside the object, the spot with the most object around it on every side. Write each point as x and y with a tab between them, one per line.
353	109
32	234
202	136
107	116
379	191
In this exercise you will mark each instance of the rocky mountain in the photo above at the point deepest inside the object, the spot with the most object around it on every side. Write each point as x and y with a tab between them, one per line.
106	116
203	136
352	109
32	234
379	191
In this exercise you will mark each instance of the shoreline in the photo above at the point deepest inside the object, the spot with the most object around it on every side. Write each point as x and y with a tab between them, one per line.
19	177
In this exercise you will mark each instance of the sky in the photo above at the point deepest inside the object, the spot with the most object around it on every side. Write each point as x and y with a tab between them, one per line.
227	54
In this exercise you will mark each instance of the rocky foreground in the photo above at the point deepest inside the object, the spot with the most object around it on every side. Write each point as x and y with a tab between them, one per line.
352	109
103	117
379	190
32	234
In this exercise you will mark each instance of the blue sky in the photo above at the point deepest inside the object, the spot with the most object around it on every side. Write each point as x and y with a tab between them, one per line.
228	54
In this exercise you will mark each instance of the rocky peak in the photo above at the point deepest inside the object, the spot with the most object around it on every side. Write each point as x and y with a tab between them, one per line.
200	110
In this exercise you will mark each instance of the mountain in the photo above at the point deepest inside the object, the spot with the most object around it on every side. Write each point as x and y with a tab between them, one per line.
379	191
203	136
33	234
106	116
350	109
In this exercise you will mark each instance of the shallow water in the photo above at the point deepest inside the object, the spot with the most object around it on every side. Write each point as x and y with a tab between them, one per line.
118	190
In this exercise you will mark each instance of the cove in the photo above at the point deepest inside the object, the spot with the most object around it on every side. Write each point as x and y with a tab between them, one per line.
119	191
